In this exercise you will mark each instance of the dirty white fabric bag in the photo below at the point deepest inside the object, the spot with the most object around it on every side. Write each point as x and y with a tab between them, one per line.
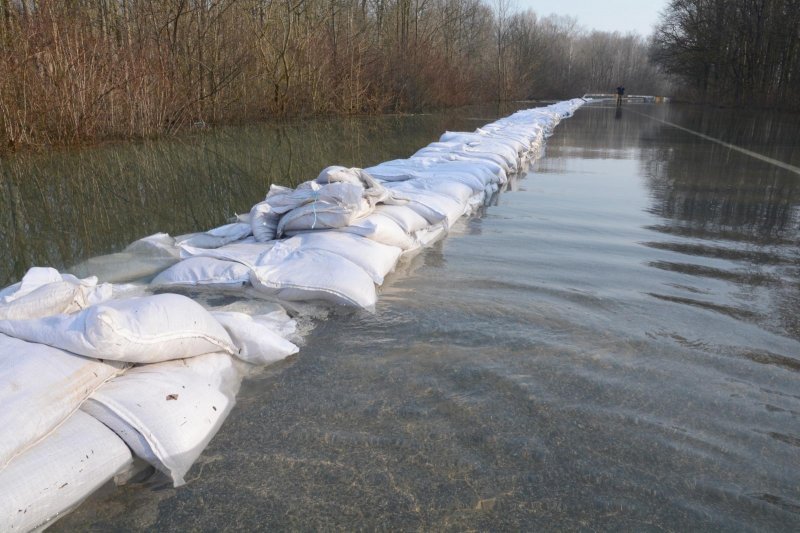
58	473
45	291
205	272
40	387
137	330
333	205
380	228
168	412
306	275
258	341
374	258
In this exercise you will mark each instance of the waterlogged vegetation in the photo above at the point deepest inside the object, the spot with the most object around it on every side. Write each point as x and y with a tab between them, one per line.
78	71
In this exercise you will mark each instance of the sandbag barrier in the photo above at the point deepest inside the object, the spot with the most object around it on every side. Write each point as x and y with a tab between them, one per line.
97	379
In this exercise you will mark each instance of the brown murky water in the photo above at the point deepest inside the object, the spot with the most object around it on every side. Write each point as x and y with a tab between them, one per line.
614	344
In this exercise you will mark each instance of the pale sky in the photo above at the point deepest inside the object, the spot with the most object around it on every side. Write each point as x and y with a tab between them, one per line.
605	15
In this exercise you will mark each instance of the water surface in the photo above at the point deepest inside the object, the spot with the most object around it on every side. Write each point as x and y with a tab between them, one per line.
613	344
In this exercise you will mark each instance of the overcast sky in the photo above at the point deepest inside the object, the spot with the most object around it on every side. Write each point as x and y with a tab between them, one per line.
606	15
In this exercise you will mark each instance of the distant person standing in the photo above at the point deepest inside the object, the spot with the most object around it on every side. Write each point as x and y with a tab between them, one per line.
620	94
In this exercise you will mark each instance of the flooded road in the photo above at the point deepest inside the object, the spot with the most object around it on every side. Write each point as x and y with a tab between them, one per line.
614	344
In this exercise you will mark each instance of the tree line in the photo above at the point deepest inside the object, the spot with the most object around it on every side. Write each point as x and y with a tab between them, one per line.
734	52
74	71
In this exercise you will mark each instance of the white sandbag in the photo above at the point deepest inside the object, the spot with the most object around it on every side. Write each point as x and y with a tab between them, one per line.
442	156
206	272
40	387
484	141
44	291
405	217
305	275
54	476
373	191
264	221
433	206
245	252
216	237
451	188
141	259
419	167
168	412
258	342
464	151
374	258
333	205
137	330
382	229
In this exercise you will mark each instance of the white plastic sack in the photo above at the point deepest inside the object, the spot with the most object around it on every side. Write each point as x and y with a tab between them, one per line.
204	272
433	206
328	206
380	228
141	259
44	291
54	476
258	342
405	217
168	412
305	275
245	252
40	387
138	330
374	258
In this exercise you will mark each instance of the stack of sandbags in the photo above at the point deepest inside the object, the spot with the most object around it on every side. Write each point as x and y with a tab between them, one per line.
156	373
362	220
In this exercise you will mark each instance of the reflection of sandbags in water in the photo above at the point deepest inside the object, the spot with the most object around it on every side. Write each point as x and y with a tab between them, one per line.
44	291
259	342
168	412
40	387
214	238
300	275
137	330
140	260
59	472
374	258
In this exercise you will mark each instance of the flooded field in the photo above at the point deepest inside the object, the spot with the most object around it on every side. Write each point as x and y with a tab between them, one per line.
613	344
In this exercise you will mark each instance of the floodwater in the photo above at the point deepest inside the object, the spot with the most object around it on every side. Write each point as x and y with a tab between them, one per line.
613	344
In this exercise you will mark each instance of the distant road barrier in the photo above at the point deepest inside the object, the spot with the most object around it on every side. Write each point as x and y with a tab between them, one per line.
639	98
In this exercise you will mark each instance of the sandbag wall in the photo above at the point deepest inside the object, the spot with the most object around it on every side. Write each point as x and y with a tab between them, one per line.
98	379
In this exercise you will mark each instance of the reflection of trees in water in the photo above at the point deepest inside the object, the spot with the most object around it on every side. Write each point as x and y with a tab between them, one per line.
713	190
745	210
61	208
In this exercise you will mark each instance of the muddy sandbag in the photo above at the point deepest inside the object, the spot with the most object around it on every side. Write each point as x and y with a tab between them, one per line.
44	292
40	386
58	473
259	342
306	275
148	329
168	412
